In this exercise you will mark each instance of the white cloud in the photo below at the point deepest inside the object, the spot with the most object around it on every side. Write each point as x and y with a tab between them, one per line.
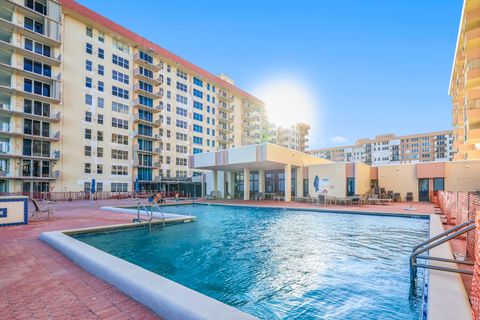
338	139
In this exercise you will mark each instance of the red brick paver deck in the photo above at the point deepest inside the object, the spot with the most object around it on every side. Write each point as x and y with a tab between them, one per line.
38	282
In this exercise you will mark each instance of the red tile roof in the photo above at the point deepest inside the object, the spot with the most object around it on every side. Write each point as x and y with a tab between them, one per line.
74	6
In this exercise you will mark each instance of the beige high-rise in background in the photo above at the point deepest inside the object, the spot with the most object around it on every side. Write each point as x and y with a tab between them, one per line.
83	98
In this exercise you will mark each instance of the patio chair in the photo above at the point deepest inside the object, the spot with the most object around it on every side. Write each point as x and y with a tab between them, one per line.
373	199
396	197
278	196
39	210
409	196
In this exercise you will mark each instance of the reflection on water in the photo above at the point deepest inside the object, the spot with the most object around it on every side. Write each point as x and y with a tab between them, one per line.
279	264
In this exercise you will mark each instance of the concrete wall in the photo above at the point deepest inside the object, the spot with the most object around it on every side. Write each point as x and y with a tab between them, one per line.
362	178
335	172
462	176
399	178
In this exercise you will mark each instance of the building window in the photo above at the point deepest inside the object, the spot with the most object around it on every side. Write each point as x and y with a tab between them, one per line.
89	32
99	135
88	82
88	65
100	152
198	93
89	48
100	118
100	102
101	70
100	86
119	76
88	116
198	82
119	92
101	53
99	171
88	99
88	151
88	168
119	61
88	134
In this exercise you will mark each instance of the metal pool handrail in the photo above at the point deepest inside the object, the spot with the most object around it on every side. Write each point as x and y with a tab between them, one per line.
149	213
434	242
154	204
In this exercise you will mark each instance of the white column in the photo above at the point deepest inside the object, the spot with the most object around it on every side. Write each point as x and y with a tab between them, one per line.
231	182
215	181
246	184
261	180
299	187
288	182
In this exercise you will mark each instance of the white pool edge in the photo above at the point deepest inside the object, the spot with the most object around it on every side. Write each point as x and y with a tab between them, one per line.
167	298
447	297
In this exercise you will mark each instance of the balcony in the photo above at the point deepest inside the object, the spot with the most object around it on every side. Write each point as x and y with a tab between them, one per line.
153	95
146	64
225	139
137	134
473	116
227	129
224	95
155	81
19	175
137	104
6	130
8	110
18	89
18	68
50	34
16	47
473	135
138	119
225	107
225	118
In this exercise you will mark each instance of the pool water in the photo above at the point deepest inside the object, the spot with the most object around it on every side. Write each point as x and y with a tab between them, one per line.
279	264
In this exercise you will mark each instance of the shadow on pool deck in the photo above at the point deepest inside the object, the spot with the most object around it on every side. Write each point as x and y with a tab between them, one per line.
39	282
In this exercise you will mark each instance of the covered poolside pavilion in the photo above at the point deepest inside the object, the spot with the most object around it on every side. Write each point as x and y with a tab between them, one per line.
264	168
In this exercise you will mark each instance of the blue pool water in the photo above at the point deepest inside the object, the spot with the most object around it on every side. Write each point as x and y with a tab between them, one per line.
279	264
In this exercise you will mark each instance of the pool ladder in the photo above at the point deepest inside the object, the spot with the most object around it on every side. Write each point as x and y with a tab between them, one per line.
434	242
142	204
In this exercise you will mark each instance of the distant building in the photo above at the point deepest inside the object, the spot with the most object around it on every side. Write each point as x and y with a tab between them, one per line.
294	137
391	149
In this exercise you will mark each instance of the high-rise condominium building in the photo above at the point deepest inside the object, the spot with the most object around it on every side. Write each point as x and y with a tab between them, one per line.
392	149
465	85
83	98
294	137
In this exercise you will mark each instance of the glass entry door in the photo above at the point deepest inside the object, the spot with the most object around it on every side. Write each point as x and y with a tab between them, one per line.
350	186
423	190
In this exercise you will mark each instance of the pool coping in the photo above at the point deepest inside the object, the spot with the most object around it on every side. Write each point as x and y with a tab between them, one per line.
447	298
165	297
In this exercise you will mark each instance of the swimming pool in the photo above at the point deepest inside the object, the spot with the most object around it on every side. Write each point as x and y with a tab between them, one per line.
277	264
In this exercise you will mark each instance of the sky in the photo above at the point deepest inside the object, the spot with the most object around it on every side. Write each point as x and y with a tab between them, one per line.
357	68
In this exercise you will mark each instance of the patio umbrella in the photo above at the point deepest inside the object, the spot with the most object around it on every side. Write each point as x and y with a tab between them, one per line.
92	188
137	185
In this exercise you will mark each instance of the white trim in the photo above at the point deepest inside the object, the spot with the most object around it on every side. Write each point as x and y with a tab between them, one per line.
456	46
168	299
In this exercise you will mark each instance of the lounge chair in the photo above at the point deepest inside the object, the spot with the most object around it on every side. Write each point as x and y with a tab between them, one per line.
373	199
39	210
278	196
211	196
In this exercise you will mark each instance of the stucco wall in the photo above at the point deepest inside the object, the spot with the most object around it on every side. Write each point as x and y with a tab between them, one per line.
362	178
335	172
399	178
462	176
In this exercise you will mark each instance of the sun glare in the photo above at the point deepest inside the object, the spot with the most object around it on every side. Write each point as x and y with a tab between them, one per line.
288	101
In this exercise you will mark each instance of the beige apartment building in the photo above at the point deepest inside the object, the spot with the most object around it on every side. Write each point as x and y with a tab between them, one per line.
294	137
391	149
83	98
465	85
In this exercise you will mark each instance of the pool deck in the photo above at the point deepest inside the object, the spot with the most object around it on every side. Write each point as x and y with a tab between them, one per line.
38	282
